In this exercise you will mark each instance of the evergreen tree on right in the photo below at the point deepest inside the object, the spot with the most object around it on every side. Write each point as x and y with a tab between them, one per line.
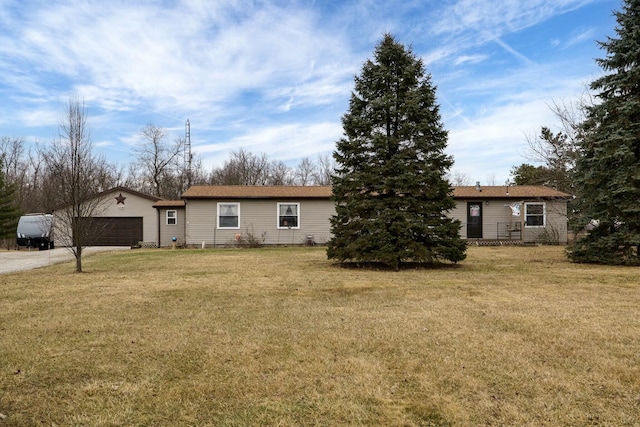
392	196
608	169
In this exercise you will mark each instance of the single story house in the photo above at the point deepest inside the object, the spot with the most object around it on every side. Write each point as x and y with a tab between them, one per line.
522	213
281	215
272	215
209	216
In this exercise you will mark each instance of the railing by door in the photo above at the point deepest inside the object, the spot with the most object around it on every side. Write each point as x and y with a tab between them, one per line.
509	231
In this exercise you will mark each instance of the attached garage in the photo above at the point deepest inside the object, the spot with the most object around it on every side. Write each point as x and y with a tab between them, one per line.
116	231
123	217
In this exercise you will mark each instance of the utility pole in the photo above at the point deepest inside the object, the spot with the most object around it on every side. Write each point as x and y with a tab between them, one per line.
187	151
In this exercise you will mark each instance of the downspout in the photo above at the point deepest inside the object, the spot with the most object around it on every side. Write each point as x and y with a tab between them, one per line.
523	222
185	224
159	236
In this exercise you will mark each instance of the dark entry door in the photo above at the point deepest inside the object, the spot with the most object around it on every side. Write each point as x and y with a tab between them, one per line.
474	220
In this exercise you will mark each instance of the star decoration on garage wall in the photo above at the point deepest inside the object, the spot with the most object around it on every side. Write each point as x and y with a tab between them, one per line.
120	199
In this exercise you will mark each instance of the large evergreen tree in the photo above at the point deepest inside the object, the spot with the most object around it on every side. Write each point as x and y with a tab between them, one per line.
9	213
608	171
390	188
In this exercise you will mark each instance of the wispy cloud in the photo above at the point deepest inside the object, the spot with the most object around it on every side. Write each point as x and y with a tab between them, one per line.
579	36
174	56
275	76
470	59
507	16
287	142
513	52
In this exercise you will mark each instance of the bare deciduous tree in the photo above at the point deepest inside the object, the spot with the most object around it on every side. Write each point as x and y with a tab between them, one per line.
324	169
459	179
13	166
76	176
305	171
243	168
12	150
25	171
9	211
280	174
558	152
198	174
157	159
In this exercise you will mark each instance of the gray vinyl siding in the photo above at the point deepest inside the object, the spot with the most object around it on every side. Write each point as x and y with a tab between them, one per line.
260	218
555	223
496	211
201	222
492	213
460	213
167	232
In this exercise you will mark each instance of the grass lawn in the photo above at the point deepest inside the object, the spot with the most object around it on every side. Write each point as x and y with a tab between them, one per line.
511	336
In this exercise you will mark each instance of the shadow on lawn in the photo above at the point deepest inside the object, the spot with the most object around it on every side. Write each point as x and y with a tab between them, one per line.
380	266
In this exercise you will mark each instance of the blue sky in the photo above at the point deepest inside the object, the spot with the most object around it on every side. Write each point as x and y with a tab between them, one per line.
275	77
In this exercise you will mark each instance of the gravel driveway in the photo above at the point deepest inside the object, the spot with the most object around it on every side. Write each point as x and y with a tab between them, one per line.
11	261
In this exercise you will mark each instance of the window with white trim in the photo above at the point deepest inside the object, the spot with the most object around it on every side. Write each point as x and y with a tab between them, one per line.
534	214
288	215
172	217
228	215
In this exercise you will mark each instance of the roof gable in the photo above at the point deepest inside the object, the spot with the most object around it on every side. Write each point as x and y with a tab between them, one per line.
118	189
130	191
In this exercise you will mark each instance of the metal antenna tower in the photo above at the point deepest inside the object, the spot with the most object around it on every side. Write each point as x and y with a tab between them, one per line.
187	151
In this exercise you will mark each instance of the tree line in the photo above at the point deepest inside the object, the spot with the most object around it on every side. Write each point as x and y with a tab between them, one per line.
159	169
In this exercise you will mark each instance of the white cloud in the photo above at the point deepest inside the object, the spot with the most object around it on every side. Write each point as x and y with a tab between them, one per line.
492	140
288	142
495	18
42	117
275	77
169	55
470	59
580	36
468	24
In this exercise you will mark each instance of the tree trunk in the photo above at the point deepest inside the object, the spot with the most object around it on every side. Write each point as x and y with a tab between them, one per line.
79	259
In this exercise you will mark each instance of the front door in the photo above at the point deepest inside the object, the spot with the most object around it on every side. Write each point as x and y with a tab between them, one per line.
474	220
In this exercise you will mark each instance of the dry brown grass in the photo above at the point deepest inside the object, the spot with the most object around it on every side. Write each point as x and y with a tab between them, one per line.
512	336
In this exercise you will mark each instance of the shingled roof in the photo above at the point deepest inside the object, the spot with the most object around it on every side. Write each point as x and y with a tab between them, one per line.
324	192
256	192
169	204
511	192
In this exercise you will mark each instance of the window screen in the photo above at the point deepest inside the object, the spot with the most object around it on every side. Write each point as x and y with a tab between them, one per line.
535	214
288	215
172	217
228	215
